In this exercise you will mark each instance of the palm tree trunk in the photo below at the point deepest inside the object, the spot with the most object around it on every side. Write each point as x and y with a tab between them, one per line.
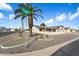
30	29
30	24
22	25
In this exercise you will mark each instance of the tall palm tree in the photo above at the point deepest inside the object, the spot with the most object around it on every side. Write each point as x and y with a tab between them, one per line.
31	12
21	15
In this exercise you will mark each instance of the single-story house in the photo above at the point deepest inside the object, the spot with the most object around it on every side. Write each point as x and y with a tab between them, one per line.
60	28
73	30
3	29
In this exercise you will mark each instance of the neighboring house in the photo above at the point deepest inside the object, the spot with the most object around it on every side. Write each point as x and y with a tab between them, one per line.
12	29
73	30
35	28
3	29
60	28
68	29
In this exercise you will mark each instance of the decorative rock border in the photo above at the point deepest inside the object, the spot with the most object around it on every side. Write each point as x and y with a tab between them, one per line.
45	37
26	44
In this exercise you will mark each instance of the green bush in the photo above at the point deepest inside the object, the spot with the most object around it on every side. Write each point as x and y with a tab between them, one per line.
16	30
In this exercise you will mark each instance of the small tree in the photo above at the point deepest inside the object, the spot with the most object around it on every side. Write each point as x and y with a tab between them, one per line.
0	30
16	30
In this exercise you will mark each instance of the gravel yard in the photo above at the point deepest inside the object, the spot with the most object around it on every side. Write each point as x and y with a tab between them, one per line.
36	45
15	42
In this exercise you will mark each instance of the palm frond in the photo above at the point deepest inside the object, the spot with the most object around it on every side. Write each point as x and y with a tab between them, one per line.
39	15
23	17
22	5
17	16
35	18
25	5
35	7
38	10
17	11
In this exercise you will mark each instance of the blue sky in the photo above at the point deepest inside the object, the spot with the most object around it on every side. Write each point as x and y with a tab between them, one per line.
66	14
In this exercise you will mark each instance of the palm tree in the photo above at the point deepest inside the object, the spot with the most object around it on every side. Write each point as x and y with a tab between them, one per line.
20	14
31	12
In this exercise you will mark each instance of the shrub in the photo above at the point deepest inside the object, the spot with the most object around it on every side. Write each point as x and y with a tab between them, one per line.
16	30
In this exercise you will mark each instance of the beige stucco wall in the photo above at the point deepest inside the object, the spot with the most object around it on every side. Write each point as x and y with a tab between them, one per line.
61	29
34	29
12	30
68	31
73	30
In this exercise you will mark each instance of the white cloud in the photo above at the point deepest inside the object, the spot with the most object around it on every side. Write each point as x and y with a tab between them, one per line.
1	16
11	16
50	21
61	17
78	9
4	6
73	16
